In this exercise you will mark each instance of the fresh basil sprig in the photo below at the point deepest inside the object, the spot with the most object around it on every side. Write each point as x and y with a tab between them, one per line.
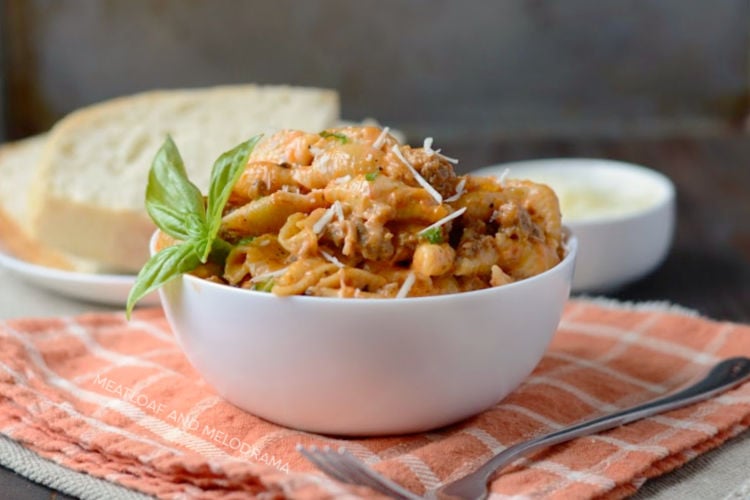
177	208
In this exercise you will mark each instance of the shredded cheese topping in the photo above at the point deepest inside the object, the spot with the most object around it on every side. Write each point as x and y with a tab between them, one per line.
447	158
332	259
502	177
420	180
326	218
269	275
406	287
343	179
427	146
339	211
447	218
459	190
381	138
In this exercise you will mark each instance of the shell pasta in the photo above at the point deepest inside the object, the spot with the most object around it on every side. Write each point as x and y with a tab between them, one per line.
350	212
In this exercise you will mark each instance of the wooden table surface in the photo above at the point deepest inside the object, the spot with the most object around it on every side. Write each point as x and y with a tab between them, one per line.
708	268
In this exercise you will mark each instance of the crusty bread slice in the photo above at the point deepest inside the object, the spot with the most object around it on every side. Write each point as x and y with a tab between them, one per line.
88	195
18	162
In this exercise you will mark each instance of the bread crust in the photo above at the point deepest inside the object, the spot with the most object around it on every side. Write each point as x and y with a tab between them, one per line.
15	238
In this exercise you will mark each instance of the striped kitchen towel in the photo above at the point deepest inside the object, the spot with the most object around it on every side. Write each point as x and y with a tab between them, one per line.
119	401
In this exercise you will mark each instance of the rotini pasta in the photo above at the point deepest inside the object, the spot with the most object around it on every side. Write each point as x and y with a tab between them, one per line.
350	212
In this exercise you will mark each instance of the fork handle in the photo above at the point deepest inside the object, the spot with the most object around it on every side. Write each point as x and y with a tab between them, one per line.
725	375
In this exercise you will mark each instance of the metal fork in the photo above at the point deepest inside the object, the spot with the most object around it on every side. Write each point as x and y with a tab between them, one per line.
341	465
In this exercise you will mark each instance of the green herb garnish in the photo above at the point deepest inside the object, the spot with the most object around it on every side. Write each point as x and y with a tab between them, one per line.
433	235
178	209
245	241
335	135
371	176
264	286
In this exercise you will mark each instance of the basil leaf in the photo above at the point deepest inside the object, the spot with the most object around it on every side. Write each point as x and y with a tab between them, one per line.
174	203
224	175
161	268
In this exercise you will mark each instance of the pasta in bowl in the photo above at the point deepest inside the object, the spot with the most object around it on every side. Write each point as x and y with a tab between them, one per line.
352	213
361	287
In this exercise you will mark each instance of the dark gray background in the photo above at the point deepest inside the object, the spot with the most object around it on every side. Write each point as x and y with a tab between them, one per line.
444	67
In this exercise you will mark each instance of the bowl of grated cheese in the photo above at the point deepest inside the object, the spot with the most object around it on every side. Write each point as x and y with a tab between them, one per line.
622	214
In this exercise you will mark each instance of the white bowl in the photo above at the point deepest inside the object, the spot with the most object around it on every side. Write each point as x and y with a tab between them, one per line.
625	234
367	366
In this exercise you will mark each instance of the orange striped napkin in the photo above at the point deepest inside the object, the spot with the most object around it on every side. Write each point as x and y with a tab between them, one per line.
119	401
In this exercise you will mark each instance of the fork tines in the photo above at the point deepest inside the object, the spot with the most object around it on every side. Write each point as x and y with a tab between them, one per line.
343	466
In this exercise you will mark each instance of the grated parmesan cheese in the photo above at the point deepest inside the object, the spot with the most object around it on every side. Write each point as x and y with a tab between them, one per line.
343	180
381	138
326	218
420	180
406	287
427	146
447	158
332	259
444	220
268	275
459	190
503	176
339	211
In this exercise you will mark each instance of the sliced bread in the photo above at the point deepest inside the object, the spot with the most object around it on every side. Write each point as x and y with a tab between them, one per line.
88	194
18	163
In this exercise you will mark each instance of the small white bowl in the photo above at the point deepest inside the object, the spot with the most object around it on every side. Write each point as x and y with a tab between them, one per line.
625	229
367	366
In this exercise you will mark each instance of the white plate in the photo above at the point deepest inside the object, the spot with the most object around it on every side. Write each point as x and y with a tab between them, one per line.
109	289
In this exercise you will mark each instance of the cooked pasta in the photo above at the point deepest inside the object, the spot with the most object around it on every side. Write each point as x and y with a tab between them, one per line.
350	212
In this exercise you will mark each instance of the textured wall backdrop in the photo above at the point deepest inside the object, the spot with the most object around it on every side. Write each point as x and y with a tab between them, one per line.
513	67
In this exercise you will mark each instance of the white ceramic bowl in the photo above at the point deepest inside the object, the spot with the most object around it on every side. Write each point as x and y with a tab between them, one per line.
624	233
367	366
